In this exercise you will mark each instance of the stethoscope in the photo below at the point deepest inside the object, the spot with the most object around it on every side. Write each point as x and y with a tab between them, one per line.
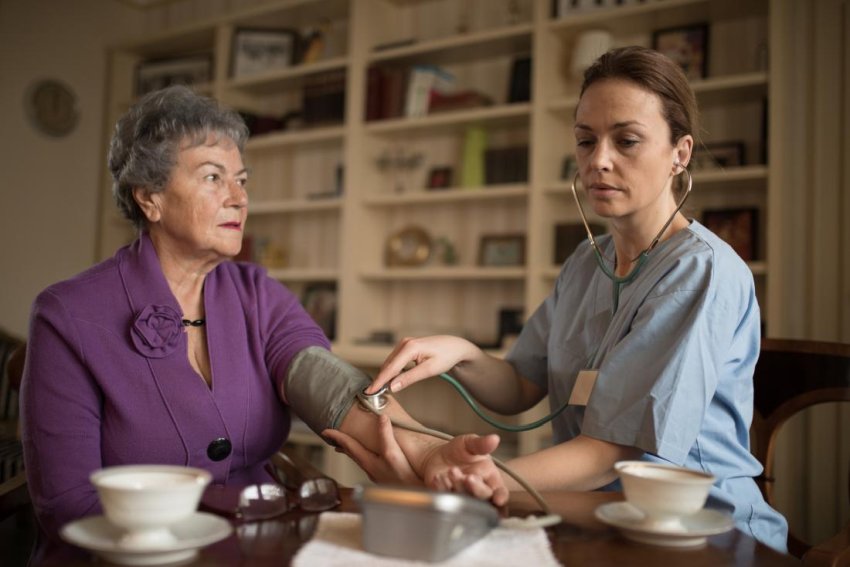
641	258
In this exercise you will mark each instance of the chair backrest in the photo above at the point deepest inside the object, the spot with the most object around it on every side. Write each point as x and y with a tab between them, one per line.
792	375
11	370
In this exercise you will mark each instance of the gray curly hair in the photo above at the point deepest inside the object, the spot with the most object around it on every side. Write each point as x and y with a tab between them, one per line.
144	145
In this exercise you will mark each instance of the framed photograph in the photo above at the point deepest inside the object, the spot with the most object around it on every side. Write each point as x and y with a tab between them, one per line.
502	250
158	74
319	302
738	227
439	178
718	155
260	50
687	46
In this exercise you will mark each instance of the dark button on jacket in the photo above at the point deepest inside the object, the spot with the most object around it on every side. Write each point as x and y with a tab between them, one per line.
219	449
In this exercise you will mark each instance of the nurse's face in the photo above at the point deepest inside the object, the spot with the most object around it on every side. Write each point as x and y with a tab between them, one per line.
623	150
200	216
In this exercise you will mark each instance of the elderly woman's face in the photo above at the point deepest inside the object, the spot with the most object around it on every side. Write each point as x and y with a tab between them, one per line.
201	213
623	149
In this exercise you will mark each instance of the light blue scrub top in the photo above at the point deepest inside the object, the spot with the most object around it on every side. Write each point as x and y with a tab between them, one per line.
675	364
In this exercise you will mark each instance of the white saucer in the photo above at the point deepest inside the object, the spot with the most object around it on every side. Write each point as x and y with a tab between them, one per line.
695	529
103	538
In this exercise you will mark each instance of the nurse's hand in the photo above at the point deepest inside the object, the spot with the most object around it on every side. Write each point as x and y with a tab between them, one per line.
464	465
389	465
431	356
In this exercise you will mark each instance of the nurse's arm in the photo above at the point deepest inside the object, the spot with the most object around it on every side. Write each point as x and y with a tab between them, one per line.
583	463
492	381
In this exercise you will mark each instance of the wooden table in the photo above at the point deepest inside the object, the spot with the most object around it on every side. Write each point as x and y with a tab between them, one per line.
579	540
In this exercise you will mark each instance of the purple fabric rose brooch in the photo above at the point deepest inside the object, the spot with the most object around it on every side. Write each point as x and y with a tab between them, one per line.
157	331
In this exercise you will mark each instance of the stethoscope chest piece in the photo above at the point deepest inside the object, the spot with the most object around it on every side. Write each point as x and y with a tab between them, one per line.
374	402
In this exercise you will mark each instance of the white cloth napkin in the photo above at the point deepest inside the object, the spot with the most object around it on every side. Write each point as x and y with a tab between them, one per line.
338	541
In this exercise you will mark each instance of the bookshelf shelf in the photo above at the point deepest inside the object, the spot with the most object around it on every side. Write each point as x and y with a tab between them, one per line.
291	77
459	118
294	206
448	273
283	139
451	195
462	47
303	275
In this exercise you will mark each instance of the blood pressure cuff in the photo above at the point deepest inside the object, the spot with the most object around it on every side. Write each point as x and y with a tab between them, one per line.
320	387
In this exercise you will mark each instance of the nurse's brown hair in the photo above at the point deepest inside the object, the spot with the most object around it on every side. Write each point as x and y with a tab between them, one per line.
655	73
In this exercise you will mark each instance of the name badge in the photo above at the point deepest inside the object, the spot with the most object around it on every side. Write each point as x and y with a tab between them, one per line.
583	387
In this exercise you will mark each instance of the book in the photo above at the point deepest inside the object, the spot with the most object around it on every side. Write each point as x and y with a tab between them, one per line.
422	81
323	98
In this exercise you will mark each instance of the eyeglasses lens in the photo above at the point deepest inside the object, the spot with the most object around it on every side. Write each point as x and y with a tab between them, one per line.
318	494
262	501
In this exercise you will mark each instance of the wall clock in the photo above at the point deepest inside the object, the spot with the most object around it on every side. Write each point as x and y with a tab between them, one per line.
52	108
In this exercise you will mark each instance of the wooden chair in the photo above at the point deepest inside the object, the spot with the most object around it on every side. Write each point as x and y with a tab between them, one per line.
792	375
12	351
18	527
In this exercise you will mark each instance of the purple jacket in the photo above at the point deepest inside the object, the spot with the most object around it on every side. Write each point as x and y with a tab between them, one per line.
108	379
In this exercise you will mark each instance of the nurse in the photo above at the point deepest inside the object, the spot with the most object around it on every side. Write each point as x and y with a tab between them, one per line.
651	332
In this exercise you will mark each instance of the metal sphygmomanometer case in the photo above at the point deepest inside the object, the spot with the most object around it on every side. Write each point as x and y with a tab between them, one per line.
419	524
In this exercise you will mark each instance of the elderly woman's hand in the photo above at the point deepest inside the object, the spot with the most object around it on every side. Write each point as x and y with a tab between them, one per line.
389	465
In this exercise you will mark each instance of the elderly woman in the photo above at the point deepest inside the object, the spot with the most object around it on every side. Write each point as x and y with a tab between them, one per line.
170	353
651	333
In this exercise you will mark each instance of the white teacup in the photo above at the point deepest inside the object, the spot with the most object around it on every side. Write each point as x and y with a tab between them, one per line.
664	493
146	500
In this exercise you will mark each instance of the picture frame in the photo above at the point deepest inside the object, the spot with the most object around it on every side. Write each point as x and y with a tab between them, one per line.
687	46
160	73
718	155
502	250
737	226
259	50
407	247
439	177
320	302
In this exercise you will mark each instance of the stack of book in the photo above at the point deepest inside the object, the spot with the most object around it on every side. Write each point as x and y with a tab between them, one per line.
394	92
